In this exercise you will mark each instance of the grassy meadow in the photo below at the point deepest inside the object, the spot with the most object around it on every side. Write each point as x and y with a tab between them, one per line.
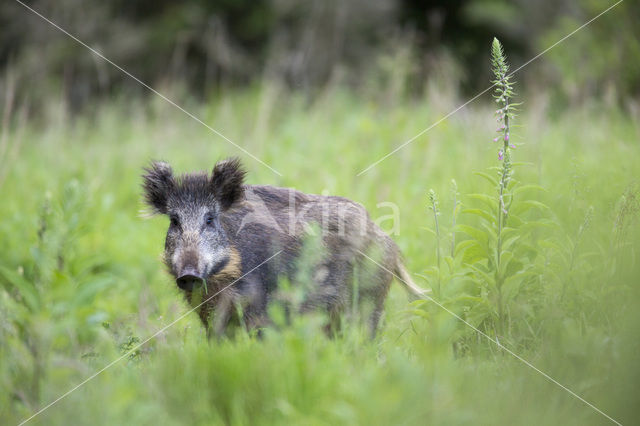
82	281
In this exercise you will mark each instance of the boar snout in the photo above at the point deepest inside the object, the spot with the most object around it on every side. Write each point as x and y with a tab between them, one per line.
189	280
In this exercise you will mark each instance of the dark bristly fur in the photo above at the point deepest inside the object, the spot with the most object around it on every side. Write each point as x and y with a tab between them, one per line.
221	232
158	185
227	179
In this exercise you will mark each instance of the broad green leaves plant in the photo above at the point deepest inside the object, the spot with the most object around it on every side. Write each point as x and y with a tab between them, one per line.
500	257
502	250
48	302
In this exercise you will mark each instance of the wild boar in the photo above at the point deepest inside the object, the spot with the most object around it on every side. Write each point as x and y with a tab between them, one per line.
236	242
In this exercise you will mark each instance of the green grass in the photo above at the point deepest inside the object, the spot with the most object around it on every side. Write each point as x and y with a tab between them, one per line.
82	280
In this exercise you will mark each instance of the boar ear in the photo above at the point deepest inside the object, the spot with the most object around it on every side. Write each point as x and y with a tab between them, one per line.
227	182
158	184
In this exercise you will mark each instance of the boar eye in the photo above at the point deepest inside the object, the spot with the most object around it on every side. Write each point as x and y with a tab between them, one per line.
209	220
174	221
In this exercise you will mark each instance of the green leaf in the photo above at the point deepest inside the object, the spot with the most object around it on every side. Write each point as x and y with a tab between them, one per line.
527	188
514	220
25	288
428	273
513	284
509	232
463	245
505	260
479	312
474	253
488	279
87	291
491	232
420	313
457	209
492	180
479	212
474	233
491	202
418	303
429	229
524	206
507	243
470	299
521	163
510	185
527	227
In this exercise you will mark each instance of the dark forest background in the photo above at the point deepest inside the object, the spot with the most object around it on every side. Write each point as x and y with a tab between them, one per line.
208	46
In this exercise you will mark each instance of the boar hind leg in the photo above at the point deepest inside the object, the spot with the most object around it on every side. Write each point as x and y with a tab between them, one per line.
329	293
376	297
374	319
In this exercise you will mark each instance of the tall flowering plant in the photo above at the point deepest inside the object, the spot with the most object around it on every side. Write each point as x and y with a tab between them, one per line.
505	114
503	257
490	273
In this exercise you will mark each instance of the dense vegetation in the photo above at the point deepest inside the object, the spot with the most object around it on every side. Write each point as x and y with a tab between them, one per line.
529	242
82	282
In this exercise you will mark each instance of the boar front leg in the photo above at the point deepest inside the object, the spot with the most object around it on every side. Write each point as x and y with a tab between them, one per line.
215	316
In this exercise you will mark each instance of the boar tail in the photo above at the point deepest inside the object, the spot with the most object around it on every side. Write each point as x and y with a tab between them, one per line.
407	282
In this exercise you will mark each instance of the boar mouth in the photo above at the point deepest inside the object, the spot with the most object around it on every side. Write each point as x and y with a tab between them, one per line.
189	280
